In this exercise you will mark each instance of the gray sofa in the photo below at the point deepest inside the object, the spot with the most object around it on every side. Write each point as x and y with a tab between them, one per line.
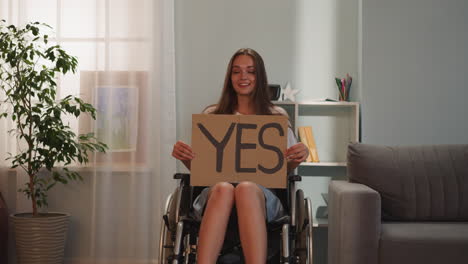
400	205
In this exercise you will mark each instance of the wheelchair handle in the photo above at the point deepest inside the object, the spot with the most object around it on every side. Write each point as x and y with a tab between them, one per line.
182	176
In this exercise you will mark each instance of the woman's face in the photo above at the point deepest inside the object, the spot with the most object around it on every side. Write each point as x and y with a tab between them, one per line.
243	75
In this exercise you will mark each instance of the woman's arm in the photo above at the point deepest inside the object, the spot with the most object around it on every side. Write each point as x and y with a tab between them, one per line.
183	152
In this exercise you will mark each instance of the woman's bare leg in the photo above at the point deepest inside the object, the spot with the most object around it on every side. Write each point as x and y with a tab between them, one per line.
214	222
250	205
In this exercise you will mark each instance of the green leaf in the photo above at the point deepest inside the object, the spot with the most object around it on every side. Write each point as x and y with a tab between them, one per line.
35	30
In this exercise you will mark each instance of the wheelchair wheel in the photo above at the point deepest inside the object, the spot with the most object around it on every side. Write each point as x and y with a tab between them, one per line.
300	211
301	241
174	208
303	250
166	243
308	229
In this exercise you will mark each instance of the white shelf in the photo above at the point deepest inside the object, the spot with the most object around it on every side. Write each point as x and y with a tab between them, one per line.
321	103
284	102
320	222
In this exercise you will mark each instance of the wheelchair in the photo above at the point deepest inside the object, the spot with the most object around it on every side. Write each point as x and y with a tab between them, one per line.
289	238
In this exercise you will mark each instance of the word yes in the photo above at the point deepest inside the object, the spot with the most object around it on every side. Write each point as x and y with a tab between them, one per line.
220	145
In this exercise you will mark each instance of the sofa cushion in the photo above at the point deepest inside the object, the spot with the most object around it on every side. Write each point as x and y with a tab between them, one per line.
428	243
415	182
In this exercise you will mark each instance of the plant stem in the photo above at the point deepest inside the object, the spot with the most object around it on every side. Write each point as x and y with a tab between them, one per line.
29	171
31	147
33	196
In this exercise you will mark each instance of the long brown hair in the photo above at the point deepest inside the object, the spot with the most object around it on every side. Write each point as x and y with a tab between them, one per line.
228	102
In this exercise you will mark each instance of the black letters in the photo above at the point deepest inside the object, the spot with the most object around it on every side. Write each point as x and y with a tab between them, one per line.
272	148
221	145
218	145
240	146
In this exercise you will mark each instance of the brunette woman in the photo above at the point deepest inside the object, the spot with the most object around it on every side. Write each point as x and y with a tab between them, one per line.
245	92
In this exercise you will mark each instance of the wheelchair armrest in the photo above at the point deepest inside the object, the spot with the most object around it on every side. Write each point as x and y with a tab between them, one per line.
182	176
294	178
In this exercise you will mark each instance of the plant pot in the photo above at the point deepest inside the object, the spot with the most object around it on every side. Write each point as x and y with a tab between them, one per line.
41	239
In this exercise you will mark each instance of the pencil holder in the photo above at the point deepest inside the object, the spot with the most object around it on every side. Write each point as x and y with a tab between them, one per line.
344	87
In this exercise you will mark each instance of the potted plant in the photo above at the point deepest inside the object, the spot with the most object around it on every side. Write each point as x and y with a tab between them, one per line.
29	66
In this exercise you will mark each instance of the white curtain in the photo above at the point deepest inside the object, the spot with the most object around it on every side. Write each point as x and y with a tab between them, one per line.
125	50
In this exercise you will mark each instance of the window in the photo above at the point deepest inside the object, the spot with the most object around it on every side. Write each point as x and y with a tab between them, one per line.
110	39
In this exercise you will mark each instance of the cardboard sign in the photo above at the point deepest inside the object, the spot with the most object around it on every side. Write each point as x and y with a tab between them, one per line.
235	148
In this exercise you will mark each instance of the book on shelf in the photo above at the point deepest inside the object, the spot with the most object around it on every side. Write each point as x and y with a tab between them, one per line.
307	137
303	139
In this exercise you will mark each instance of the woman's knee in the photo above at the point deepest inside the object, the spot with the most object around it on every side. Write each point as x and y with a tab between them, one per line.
248	190
249	198
222	190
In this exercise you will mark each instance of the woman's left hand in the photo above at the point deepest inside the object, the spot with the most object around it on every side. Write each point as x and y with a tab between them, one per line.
297	153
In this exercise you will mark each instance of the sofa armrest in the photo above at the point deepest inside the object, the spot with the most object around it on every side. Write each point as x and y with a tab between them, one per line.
354	216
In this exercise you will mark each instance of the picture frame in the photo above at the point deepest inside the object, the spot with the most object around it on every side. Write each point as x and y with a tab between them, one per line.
117	117
129	100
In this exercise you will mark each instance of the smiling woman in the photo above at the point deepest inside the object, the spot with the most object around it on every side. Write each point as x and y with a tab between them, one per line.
245	85
245	92
243	75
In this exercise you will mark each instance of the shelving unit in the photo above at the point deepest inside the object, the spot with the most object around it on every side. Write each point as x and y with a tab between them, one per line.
334	125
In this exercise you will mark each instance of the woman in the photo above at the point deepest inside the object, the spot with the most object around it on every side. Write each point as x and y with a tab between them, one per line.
245	92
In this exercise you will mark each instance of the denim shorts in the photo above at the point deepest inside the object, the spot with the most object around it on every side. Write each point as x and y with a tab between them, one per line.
274	208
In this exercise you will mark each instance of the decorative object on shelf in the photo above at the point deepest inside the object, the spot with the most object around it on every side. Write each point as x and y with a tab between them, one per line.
275	91
307	137
28	75
344	86
289	93
303	138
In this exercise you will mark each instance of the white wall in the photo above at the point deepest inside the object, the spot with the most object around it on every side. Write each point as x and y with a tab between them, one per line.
414	67
325	47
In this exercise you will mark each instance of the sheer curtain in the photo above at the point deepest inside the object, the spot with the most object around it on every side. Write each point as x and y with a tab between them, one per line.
125	50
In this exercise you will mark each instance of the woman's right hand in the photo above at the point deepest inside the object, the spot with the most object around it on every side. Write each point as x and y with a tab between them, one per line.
182	151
